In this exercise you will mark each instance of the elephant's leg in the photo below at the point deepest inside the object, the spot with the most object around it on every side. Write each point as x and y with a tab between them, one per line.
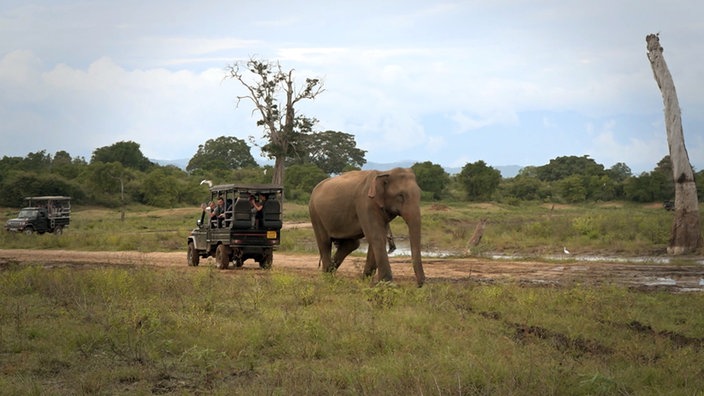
370	265
380	259
344	248
325	249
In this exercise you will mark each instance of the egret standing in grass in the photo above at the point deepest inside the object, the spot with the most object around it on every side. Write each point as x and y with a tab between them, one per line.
564	249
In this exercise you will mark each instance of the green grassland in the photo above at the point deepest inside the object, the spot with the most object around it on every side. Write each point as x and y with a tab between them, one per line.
136	329
613	228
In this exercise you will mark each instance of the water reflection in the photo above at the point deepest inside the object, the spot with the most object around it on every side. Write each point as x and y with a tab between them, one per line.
403	248
682	284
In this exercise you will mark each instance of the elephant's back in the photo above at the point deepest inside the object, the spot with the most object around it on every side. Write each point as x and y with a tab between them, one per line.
338	193
344	184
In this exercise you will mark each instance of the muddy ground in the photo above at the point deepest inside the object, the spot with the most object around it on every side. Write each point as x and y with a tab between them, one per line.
685	275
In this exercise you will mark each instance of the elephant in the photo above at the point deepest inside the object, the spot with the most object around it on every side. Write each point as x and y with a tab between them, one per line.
360	204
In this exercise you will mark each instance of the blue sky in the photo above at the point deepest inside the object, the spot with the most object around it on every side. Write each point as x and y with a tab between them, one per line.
452	82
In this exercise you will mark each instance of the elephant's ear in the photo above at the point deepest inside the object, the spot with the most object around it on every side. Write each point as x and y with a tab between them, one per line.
379	183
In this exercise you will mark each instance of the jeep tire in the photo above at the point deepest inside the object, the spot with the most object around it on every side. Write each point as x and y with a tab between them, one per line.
222	256
193	256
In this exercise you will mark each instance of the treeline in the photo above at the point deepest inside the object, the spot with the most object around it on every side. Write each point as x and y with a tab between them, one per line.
569	179
120	174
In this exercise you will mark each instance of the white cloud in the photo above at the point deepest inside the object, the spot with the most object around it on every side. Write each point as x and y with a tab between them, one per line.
640	153
408	81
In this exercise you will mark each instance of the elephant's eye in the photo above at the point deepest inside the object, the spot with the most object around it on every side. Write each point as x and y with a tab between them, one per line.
401	197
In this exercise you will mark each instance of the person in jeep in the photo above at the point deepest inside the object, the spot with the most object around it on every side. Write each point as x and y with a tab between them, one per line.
218	213
257	206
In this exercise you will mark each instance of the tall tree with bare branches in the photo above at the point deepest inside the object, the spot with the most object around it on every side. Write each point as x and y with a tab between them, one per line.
686	232
275	95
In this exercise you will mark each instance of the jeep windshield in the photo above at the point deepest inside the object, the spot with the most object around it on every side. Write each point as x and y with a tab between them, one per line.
28	213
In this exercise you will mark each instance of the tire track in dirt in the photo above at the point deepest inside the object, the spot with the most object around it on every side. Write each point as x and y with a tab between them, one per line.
676	277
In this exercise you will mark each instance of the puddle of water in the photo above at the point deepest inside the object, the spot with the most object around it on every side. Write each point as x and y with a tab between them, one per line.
661	282
608	259
403	249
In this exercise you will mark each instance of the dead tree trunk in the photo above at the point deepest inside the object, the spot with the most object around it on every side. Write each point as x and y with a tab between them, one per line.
685	236
477	236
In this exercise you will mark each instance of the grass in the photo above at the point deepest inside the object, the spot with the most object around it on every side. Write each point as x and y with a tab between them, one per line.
141	330
531	229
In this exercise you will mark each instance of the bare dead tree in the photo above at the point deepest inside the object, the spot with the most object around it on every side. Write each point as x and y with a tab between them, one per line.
477	235
685	236
265	81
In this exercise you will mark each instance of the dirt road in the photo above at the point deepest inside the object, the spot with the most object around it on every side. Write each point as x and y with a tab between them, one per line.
686	276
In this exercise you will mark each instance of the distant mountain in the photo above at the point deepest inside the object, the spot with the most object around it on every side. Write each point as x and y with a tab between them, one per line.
179	163
507	171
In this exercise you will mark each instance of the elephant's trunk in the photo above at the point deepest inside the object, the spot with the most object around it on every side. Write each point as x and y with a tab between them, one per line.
413	224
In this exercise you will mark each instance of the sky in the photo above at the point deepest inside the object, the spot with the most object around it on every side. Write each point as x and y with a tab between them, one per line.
451	82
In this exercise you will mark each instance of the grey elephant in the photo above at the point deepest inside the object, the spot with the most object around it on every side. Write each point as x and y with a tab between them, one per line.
345	208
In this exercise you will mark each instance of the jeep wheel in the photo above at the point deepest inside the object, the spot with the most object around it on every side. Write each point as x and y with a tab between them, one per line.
28	231
193	257
267	259
58	230
222	257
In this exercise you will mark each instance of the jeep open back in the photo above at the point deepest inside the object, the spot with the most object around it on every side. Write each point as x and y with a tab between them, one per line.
239	232
42	214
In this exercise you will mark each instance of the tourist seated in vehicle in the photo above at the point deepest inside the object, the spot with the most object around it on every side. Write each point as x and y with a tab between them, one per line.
217	214
257	213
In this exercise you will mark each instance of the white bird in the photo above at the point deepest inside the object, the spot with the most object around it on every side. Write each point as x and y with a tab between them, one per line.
210	184
564	249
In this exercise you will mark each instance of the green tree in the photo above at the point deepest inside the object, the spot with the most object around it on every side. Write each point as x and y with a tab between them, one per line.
525	188
126	153
258	175
431	178
572	189
301	179
619	172
603	188
37	162
562	167
20	184
107	182
167	187
649	187
331	151
663	172
282	126
66	166
529	171
225	152
8	165
479	180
